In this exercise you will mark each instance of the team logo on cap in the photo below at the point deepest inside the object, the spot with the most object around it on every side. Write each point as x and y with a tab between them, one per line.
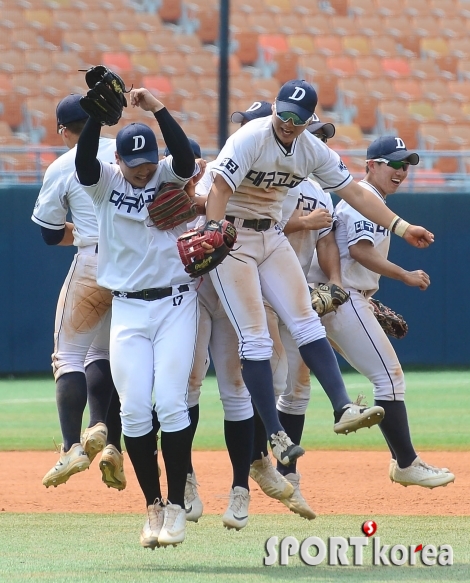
400	144
298	94
139	143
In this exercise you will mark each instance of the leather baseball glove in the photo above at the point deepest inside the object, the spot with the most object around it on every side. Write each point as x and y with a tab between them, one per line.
219	234
393	324
171	206
105	99
327	298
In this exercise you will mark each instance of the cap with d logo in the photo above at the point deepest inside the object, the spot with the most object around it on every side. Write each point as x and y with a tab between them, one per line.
298	97
391	148
256	110
136	144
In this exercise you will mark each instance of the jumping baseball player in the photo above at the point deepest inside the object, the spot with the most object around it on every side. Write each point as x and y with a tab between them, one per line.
80	360
154	306
354	330
254	171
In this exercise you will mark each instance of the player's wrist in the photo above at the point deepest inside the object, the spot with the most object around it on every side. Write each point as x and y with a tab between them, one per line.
398	226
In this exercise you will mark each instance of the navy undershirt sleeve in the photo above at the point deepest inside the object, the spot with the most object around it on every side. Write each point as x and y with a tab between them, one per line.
177	142
52	236
86	163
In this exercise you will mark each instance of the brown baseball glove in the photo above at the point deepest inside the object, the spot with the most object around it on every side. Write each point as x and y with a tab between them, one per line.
171	206
327	298
393	324
218	234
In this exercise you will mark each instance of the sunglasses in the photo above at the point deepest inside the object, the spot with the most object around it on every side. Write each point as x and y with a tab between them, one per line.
286	116
395	164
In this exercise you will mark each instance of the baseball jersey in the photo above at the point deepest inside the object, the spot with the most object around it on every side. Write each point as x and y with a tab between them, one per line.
134	254
61	192
351	228
310	197
260	170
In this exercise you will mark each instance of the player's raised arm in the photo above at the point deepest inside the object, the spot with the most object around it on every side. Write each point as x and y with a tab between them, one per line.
86	161
373	209
173	135
217	199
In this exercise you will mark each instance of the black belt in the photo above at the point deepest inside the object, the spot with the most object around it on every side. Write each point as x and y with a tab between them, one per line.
155	293
256	224
96	248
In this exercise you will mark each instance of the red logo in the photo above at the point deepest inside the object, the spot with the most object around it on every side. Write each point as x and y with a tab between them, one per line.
369	527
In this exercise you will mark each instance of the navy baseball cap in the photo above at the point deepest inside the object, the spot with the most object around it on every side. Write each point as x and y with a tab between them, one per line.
391	148
136	144
256	110
69	110
298	97
196	148
328	128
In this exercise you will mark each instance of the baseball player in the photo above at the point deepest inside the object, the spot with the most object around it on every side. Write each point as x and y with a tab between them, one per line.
80	360
154	307
355	332
254	171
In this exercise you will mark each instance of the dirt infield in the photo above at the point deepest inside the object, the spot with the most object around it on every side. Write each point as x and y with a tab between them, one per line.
333	483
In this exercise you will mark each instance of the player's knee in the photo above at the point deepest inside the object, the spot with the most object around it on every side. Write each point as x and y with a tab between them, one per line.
194	394
297	406
173	421
237	408
308	331
256	349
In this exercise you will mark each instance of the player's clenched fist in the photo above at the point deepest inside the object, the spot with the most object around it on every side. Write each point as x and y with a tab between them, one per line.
418	278
418	236
145	100
319	218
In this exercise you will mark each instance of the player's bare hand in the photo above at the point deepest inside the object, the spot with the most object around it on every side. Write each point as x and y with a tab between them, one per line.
418	236
145	100
208	248
418	278
320	218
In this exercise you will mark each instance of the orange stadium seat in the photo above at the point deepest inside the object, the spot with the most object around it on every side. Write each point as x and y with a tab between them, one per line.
384	46
243	87
343	25
186	86
118	62
356	45
286	65
278	6
459	47
12	18
387	8
292	23
341	65
436	89
189	43
132	41
52	83
67	62
380	87
339	7
328	45
11	109
424	69
246	46
173	64
370	24
248	6
369	66
311	65
95	19
416	8
426	25
159	85
319	25
423	111
39	61
170	10
434	47
325	84
26	84
396	67
23	39
306	7
266	89
365	115
451	112
447	66
208	28
148	63
13	61
450	8
408	89
350	136
360	8
453	26
261	23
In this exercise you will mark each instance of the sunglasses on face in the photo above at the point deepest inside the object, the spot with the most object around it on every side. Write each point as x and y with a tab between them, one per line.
286	116
395	164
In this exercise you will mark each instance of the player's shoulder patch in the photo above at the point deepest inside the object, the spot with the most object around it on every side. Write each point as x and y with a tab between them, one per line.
364	226
230	165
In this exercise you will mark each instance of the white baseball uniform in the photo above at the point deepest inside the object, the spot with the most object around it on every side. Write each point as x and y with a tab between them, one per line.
152	342
354	331
295	388
260	171
216	332
83	313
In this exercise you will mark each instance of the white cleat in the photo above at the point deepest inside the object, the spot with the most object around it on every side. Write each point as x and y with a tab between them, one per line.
236	515
421	474
153	526
192	503
297	503
356	417
271	482
174	526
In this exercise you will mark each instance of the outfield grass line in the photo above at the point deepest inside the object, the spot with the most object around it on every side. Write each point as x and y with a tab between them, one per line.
24	401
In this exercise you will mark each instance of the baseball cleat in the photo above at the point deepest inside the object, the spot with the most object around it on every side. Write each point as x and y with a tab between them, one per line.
153	526
297	503
112	468
354	417
271	482
421	474
236	515
174	526
94	440
284	450
393	464
192	503
70	462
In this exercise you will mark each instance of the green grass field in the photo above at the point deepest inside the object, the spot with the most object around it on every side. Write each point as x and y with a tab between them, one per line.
104	548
